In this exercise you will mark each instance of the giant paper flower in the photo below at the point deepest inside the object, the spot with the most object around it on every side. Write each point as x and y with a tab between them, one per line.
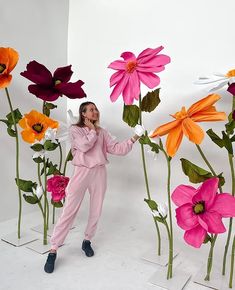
57	185
8	60
35	126
133	70
200	211
185	123
48	87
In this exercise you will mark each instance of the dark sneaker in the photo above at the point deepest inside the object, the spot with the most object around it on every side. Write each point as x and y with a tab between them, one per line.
50	263
86	246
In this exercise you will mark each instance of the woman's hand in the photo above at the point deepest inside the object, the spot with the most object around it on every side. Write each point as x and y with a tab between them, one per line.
89	124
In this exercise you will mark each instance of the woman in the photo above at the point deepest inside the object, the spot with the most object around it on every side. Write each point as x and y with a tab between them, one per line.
89	146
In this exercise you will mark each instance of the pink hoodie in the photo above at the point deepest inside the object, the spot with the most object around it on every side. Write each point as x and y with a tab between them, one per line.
89	148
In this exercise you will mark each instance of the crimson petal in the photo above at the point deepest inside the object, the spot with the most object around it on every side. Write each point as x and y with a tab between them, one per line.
43	93
37	73
63	74
71	90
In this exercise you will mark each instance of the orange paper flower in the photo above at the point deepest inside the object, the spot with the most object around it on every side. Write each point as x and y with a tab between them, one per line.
185	123
35	125
8	60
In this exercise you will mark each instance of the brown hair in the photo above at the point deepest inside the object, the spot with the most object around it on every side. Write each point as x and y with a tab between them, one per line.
82	109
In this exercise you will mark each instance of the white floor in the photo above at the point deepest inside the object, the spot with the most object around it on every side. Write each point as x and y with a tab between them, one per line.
123	236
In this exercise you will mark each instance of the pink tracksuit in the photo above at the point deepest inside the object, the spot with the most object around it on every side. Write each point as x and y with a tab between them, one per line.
89	149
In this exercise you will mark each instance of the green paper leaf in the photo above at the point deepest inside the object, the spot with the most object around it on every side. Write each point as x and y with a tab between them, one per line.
150	101
37	147
151	203
230	126
17	115
49	146
11	132
195	173
31	199
145	140
70	156
130	115
38	160
227	143
50	106
215	138
26	185
57	204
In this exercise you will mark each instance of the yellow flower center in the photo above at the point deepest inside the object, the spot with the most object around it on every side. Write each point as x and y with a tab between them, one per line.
131	66
199	207
2	68
182	114
38	127
57	82
231	73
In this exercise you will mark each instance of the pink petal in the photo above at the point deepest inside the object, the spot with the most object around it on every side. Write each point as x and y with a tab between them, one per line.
195	237
132	89
118	89
207	192
127	55
149	79
202	223
214	222
147	68
116	77
149	52
158	60
183	194
186	219
224	204
118	65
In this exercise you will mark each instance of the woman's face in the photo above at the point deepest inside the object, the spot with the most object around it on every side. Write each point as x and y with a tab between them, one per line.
91	113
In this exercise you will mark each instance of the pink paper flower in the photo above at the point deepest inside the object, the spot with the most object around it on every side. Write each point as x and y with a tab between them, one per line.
56	185
200	211
133	70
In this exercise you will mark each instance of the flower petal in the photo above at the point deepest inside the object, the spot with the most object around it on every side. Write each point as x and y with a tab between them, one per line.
63	73
46	94
149	52
116	77
13	58
192	131
224	204
195	237
174	140
149	79
165	129
207	192
214	222
38	74
203	104
118	65
183	194
186	219
132	89
5	80
231	89
209	115
71	90
127	55
118	89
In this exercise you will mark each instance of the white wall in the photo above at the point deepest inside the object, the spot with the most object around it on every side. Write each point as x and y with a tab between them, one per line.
38	31
198	35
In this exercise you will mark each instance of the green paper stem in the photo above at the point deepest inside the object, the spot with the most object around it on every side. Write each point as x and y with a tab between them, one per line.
45	205
147	184
17	164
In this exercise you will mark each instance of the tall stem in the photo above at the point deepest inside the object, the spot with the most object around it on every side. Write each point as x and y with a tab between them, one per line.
45	205
230	157
17	163
170	260
170	254
146	180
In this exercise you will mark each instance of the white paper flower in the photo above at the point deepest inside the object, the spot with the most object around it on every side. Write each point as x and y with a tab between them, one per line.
41	154
38	192
218	80
50	134
161	211
72	119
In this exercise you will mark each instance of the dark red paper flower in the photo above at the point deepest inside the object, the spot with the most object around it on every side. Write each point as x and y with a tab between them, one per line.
49	87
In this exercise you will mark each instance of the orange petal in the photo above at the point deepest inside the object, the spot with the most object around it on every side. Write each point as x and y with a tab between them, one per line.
203	104
5	81
28	136
23	123
209	115
165	129
13	59
192	131
174	140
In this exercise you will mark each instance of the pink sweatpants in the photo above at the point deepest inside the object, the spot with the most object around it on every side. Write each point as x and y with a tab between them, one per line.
95	180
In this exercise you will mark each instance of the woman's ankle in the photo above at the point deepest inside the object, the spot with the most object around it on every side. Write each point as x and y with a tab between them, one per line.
52	251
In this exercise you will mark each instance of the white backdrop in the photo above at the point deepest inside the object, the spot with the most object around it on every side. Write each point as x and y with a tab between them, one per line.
38	31
197	35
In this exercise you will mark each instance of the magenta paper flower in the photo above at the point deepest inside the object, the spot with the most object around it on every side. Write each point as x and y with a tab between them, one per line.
49	87
200	211
231	89
133	70
56	185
